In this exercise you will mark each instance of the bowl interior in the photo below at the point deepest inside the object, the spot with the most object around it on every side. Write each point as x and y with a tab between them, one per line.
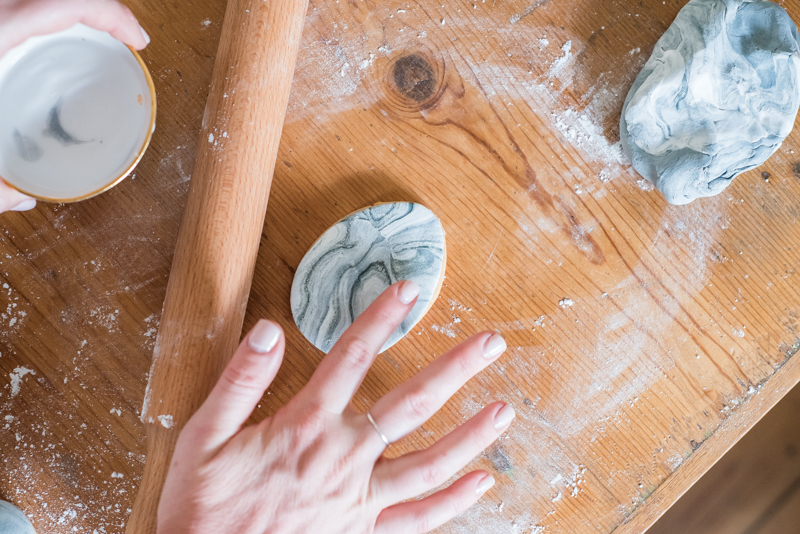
75	114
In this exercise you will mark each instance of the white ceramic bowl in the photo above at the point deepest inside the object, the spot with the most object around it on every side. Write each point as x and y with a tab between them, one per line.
77	111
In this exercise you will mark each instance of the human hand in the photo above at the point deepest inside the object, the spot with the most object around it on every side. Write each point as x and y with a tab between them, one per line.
317	465
21	19
13	200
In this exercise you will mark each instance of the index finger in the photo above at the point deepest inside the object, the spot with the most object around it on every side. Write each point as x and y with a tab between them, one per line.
341	372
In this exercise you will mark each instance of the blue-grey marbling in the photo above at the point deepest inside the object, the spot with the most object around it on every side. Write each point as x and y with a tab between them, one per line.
13	520
360	256
717	97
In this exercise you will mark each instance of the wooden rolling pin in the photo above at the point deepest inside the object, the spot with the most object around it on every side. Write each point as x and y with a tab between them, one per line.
212	270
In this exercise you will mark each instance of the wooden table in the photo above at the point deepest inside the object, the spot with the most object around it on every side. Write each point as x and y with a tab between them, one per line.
644	339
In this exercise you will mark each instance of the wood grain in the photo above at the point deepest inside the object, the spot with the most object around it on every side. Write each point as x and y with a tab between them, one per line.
754	488
481	112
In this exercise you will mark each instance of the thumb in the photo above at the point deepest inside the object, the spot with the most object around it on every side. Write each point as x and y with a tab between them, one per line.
250	372
40	17
13	200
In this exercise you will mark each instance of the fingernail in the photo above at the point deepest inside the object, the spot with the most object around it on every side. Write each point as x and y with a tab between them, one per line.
264	336
504	416
484	485
494	346
408	291
144	34
25	205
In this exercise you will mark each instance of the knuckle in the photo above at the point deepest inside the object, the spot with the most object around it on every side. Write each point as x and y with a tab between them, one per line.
308	424
239	376
432	474
458	505
385	316
358	353
420	404
465	366
422	523
481	434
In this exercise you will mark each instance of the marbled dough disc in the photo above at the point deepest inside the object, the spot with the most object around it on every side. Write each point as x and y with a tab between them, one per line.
359	257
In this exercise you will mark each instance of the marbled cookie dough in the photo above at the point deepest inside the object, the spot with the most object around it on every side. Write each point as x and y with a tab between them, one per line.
717	97
360	256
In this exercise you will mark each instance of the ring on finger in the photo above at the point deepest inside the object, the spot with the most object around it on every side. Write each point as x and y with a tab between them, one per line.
378	429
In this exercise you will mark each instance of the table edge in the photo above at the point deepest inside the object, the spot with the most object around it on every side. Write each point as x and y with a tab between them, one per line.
730	431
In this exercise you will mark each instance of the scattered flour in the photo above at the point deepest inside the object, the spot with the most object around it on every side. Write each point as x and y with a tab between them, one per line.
16	378
13	312
645	185
582	130
559	64
104	317
675	461
456	305
166	421
446	329
566	302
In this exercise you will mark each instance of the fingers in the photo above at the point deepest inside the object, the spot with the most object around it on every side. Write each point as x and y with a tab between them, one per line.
426	514
116	19
340	373
409	405
415	473
40	17
250	372
13	200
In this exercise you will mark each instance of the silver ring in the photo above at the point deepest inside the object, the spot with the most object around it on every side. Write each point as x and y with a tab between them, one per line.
378	429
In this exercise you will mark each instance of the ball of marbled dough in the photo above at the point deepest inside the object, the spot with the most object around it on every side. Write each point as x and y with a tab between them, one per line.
360	256
13	520
717	97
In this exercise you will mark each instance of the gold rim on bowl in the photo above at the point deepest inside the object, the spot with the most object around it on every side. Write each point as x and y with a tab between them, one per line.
139	156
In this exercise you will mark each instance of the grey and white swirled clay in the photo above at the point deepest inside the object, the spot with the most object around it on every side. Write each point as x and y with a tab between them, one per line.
717	97
359	257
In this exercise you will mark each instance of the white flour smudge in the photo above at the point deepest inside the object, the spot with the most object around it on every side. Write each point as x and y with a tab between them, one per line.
446	329
582	130
16	378
559	64
166	421
645	185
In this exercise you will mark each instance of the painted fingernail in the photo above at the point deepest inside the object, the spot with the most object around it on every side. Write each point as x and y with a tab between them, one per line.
504	416
494	346
264	336
25	205
484	485
144	34
408	291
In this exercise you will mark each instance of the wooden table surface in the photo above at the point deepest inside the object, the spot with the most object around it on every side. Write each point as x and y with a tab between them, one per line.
644	339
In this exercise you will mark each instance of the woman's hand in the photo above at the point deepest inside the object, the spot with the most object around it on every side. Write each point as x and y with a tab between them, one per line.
317	465
21	19
13	200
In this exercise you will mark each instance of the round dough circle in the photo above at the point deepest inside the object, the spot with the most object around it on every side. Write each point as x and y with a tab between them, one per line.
360	256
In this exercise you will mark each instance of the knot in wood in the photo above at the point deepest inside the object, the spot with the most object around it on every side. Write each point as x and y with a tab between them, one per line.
413	81
414	77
